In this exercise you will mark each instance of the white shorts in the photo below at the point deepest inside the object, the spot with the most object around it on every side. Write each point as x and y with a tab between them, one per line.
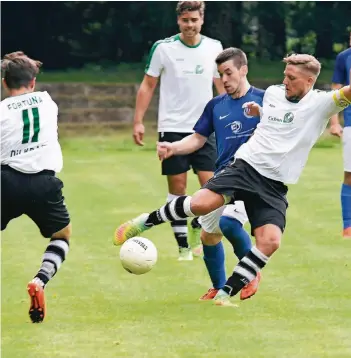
210	222
346	140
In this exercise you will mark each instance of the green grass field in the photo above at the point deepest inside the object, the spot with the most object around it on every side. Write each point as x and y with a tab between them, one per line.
98	310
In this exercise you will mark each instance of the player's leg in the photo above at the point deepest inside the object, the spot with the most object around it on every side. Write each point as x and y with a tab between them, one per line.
177	188
12	204
51	216
195	225
203	162
215	193
267	224
231	224
214	256
346	186
176	168
201	203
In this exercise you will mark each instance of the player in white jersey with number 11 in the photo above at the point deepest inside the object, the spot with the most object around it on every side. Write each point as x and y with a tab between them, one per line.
30	158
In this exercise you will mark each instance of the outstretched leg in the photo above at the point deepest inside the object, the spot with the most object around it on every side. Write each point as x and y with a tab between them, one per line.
203	202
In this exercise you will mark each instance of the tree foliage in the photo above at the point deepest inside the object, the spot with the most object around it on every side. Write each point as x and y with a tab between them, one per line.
72	34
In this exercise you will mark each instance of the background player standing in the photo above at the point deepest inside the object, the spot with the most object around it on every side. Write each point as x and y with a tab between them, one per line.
341	77
185	64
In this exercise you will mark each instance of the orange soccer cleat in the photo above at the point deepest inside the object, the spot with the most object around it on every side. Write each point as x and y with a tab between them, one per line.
251	288
209	295
37	302
347	233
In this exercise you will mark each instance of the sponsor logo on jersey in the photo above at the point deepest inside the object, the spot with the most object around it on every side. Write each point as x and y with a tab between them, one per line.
236	127
199	69
288	118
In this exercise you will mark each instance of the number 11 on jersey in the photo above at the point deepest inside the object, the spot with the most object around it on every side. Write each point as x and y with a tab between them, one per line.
26	125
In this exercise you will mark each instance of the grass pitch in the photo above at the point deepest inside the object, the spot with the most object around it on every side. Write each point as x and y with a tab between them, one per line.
96	309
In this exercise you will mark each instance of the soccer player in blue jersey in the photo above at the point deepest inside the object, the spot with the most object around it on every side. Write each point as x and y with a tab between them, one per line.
341	77
225	116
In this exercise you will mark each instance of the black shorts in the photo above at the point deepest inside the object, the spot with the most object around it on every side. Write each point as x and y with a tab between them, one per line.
203	159
265	199
37	195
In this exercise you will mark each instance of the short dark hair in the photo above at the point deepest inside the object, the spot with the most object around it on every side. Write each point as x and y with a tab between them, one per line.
184	6
18	70
232	53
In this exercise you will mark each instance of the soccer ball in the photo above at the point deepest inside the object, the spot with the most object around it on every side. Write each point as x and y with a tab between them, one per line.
138	255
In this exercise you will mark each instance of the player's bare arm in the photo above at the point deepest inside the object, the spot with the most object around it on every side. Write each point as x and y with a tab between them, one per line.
187	145
143	99
335	127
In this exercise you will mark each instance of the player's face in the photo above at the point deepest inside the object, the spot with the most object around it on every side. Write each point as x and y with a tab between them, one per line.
231	76
297	82
190	23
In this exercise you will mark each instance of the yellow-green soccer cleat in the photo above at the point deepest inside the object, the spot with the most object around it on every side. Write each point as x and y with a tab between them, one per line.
195	238
223	299
185	254
130	229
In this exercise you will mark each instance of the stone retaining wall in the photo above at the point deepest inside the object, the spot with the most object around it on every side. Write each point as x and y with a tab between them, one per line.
110	104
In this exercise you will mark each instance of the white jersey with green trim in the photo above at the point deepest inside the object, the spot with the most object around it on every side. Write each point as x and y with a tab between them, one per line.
187	74
287	131
29	138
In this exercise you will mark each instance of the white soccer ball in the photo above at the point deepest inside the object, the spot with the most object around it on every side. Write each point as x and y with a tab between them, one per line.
138	255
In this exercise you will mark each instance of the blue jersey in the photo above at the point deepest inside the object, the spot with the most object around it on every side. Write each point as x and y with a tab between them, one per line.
342	76
225	116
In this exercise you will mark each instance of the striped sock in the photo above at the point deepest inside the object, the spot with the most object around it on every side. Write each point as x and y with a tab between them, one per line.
245	271
53	257
176	209
180	230
179	227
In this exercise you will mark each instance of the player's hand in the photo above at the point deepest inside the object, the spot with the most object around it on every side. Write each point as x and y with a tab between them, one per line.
164	150
336	129
252	109
138	134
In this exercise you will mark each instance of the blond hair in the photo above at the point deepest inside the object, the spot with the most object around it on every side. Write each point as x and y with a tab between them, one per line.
306	62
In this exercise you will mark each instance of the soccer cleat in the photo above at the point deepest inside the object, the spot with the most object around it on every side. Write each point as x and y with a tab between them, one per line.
185	254
195	238
37	301
130	229
347	233
209	295
198	250
251	288
223	299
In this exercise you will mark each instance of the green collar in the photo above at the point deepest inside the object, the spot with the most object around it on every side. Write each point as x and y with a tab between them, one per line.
194	46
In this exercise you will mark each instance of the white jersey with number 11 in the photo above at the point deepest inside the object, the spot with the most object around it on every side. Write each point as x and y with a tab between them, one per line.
29	138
